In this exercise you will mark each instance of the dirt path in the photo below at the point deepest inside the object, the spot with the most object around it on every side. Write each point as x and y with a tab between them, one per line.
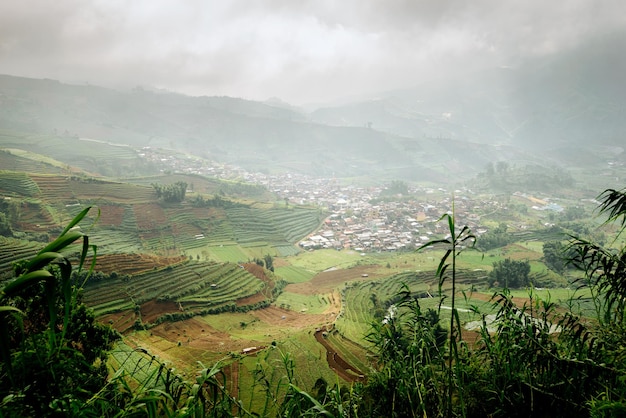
337	363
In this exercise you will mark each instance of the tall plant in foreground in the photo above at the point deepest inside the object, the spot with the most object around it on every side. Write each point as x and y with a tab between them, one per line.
544	361
454	244
416	375
53	353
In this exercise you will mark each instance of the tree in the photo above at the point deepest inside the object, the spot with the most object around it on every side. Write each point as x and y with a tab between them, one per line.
553	256
269	262
396	187
502	167
172	193
495	238
5	226
509	273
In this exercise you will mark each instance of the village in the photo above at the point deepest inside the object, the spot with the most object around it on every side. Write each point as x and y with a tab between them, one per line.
358	218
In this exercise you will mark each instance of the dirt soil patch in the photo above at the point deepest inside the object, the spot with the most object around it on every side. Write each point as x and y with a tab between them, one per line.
327	281
153	309
336	362
132	263
265	293
284	318
120	321
198	334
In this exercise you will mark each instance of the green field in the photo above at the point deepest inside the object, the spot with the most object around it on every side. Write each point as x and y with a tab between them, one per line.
293	274
312	304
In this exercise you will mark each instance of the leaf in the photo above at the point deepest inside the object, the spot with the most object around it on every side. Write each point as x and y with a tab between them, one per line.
76	220
62	241
25	281
10	309
41	260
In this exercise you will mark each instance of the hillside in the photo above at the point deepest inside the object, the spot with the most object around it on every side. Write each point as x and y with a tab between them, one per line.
130	218
555	107
385	139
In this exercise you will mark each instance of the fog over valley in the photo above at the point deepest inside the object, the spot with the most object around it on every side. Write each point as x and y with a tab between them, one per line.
354	208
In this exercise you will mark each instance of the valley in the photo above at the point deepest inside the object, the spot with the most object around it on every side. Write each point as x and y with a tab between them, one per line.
189	281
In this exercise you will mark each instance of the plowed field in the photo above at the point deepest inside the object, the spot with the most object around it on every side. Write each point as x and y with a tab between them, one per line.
132	263
284	318
327	281
197	334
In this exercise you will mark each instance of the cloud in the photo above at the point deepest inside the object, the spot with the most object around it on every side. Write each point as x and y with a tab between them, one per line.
311	50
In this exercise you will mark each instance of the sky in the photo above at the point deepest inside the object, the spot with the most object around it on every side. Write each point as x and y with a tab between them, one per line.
301	51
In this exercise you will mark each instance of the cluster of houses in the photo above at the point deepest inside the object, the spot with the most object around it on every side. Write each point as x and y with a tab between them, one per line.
392	226
358	219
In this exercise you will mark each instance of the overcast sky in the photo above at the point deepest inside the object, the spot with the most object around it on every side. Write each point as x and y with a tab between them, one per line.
301	51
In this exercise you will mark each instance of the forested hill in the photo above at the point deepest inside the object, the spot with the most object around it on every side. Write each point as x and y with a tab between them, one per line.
253	135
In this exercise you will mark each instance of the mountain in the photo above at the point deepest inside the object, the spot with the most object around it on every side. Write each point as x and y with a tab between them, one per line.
557	109
575	98
256	136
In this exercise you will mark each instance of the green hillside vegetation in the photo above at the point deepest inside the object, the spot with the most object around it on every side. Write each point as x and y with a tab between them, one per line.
181	279
405	330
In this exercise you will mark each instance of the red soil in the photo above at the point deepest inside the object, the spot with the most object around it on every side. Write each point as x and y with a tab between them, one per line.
327	281
336	362
129	263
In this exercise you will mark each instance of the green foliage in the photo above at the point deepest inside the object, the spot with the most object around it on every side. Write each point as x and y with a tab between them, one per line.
556	256
173	193
216	201
410	351
533	359
53	351
269	262
498	237
510	274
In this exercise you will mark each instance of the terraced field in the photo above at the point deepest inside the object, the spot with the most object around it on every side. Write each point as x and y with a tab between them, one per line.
35	217
54	187
14	183
13	161
275	225
358	304
112	191
12	250
194	286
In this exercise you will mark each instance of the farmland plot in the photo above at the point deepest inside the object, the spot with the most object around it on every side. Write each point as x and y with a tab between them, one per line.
111	191
19	160
35	217
53	187
227	253
14	183
12	250
193	285
293	274
275	225
362	299
115	241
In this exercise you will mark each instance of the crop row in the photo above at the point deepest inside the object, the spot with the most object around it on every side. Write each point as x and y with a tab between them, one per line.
115	241
207	283
14	162
35	217
111	191
287	250
272	225
12	250
293	274
132	263
18	184
53	187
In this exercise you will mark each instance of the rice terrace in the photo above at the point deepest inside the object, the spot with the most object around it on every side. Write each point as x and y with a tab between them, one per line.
309	266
